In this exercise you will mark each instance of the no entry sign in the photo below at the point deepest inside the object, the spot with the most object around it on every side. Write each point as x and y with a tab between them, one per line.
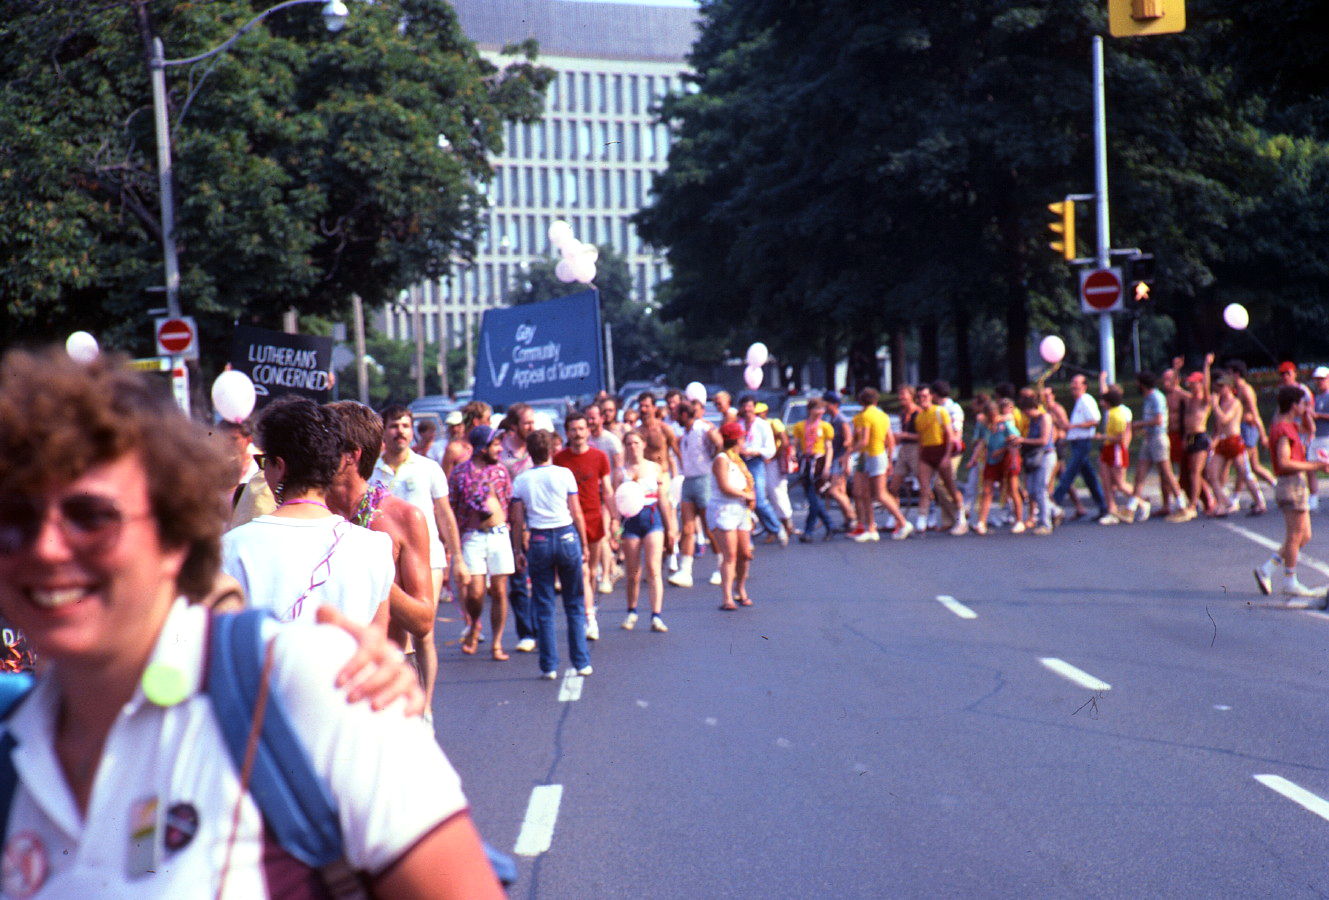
177	337
1100	290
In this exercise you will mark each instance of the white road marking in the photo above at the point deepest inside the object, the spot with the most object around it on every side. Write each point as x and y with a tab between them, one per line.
1296	794
712	721
1222	707
956	607
1072	674
537	829
1270	544
783	742
570	689
643	704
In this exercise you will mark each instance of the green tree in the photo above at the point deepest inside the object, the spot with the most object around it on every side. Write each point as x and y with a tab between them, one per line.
644	345
309	167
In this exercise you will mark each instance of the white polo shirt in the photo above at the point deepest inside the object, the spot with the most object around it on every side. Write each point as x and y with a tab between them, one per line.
390	782
293	566
419	481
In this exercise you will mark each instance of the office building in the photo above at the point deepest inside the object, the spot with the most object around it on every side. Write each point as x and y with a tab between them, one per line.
590	161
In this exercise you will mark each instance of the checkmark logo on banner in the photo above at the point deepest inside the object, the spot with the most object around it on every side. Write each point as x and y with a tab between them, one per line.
502	373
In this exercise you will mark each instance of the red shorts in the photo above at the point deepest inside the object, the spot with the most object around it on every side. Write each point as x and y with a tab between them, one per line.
1231	447
1176	447
1009	465
1115	455
595	525
932	455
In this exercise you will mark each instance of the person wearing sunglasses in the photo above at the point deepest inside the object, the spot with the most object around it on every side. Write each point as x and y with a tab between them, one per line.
302	555
111	514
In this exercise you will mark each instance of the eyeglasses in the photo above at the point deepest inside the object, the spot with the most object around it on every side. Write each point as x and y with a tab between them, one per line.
89	523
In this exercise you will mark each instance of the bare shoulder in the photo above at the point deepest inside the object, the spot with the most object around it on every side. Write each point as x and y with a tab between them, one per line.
397	518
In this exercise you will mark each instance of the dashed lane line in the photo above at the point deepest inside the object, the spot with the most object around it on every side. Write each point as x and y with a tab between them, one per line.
537	829
1296	794
956	607
570	689
1074	675
1271	544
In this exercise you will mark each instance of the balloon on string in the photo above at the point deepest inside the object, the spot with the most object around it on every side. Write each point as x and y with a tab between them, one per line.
544	421
233	396
752	376
82	347
758	355
1052	349
629	498
583	269
695	391
1236	316
560	233
563	271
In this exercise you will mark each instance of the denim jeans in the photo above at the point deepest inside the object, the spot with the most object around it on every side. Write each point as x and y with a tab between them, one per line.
557	551
816	508
1036	485
765	513
519	601
1080	462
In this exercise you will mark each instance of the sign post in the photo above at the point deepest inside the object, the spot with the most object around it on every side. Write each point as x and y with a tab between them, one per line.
1100	290
177	337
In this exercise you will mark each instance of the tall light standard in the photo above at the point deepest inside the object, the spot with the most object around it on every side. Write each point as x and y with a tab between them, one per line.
334	17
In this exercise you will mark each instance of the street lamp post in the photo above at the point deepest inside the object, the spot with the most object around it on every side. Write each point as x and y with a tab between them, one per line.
334	17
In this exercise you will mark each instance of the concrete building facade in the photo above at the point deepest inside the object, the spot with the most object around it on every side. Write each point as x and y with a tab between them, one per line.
590	160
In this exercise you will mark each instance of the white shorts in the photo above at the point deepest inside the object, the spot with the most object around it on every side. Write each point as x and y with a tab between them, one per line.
488	552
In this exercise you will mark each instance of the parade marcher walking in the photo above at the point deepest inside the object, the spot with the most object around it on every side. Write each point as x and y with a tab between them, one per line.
733	495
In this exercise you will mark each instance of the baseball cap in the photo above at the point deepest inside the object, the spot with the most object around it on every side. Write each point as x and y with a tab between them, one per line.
731	431
482	436
830	397
1195	378
1320	372
454	418
762	407
1287	367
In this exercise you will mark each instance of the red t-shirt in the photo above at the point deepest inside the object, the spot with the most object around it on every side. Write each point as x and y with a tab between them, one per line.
588	469
1284	428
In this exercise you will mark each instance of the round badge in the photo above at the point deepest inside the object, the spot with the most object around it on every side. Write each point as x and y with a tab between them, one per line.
165	685
181	826
26	865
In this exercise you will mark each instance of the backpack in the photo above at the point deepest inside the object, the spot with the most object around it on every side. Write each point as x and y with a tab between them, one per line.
293	800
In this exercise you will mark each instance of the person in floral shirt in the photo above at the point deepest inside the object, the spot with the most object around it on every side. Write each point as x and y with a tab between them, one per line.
480	490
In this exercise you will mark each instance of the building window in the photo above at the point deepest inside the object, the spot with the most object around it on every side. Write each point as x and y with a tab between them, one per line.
544	187
606	188
587	101
661	142
618	95
570	188
587	145
530	198
556	139
648	138
590	188
621	147
538	133
601	86
554	93
634	97
570	90
623	199
637	191
533	230
634	135
649	84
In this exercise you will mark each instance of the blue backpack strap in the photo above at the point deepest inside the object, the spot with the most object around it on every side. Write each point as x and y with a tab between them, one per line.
14	686
295	803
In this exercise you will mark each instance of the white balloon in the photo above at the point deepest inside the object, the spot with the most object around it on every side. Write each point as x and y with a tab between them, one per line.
563	271
569	249
544	421
752	376
560	233
82	347
1236	316
758	355
695	391
629	498
589	251
233	395
583	269
1052	349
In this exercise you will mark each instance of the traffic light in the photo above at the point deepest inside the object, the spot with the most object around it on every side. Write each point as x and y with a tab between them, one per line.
1140	277
1132	18
1064	227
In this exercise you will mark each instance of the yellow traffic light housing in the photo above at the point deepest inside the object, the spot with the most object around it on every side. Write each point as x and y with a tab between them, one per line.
1132	18
1064	226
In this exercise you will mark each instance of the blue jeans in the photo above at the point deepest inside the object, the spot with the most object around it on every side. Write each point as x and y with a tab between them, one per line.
765	513
519	601
1036	486
557	551
1080	462
816	509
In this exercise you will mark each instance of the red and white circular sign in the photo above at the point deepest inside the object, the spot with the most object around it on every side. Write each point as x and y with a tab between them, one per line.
175	335
1101	289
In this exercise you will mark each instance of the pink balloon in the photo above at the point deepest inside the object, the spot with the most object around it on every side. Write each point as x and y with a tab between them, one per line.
629	498
583	269
1052	349
752	376
563	271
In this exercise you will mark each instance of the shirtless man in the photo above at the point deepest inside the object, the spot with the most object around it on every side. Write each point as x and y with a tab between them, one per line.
1195	423
609	408
661	444
477	412
724	405
410	602
1253	433
1170	383
1230	448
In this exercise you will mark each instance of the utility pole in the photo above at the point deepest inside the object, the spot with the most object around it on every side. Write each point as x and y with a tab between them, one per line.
1102	252
361	366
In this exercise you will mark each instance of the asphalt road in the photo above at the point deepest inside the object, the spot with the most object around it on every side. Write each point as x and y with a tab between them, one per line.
853	736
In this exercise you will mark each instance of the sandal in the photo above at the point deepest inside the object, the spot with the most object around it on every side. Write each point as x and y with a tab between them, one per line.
499	655
471	642
729	606
743	601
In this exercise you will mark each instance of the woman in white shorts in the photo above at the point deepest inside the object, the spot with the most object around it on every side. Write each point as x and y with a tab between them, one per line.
730	517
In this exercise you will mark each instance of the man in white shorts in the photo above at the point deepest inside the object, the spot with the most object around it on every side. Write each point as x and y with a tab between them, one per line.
480	491
420	482
696	450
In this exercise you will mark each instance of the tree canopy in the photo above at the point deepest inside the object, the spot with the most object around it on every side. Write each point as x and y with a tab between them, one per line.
308	166
855	170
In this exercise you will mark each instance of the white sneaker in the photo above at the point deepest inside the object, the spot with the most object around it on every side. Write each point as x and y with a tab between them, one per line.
962	527
1262	580
1017	528
1294	588
784	537
592	629
921	524
657	624
874	536
673	562
903	532
1315	502
1142	511
549	676
1109	519
585	670
526	645
682	578
605	586
715	578
863	537
630	622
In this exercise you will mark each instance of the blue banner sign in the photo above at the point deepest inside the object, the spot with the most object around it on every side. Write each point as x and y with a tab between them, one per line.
541	351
